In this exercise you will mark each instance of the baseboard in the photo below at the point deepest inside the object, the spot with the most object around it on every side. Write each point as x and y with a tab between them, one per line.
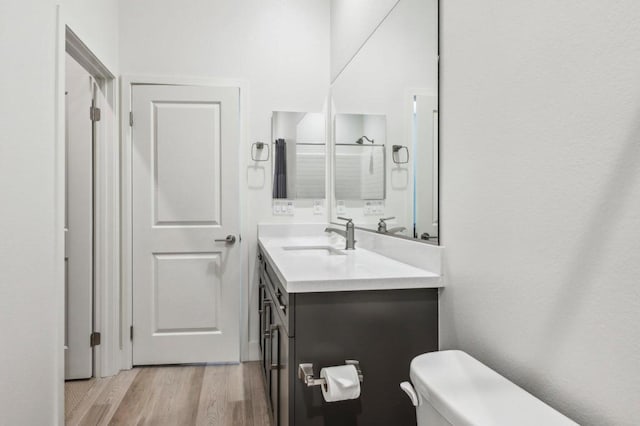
253	351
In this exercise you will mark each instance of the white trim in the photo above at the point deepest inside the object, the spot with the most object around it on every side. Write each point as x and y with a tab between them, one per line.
126	314
106	215
59	219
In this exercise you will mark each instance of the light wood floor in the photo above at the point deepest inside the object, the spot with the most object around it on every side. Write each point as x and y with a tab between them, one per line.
218	395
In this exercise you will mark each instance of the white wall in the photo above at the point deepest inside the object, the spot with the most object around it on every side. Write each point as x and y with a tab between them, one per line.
280	48
352	22
540	145
397	61
31	287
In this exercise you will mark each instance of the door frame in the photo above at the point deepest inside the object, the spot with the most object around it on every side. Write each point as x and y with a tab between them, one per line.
106	204
127	83
106	214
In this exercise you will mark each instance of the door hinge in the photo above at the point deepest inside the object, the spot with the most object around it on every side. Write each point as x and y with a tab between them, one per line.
94	113
131	118
95	339
131	333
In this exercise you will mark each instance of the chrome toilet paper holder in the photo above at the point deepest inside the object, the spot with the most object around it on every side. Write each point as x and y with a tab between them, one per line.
305	373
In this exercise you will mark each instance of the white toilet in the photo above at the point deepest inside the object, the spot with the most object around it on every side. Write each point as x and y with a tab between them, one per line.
452	388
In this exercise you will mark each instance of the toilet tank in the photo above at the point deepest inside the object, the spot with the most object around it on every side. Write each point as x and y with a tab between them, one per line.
452	388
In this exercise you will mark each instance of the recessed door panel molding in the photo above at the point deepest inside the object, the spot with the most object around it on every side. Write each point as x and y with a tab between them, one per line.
187	293
185	202
187	163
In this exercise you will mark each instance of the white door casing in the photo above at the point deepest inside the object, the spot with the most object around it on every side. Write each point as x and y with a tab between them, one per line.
78	222
185	195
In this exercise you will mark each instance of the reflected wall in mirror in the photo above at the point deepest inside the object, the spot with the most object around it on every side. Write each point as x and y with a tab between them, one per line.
359	159
299	155
395	74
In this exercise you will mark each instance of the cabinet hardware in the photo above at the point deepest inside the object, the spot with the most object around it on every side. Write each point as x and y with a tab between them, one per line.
305	373
274	367
268	332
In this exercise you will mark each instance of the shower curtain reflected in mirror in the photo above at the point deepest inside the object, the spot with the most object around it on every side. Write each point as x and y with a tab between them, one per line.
280	169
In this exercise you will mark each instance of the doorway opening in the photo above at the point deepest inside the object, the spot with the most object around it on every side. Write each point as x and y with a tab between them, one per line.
91	203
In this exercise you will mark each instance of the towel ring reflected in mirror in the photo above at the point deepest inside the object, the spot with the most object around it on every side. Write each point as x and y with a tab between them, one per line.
395	155
256	148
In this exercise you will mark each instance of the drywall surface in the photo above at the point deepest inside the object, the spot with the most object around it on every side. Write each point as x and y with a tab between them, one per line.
28	366
352	22
281	49
31	289
96	24
540	157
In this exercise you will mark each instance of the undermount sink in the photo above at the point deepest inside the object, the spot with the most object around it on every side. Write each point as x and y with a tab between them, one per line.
315	250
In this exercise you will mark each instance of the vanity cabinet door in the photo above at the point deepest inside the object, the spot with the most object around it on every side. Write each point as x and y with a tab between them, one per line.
284	377
266	340
273	370
261	323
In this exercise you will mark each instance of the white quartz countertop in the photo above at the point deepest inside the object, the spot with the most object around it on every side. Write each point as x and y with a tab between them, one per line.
320	264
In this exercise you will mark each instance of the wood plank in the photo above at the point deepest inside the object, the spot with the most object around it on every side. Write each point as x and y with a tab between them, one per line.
257	412
75	416
213	396
74	392
111	397
217	395
177	401
135	405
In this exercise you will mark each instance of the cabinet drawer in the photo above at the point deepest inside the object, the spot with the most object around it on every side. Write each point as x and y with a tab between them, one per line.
281	303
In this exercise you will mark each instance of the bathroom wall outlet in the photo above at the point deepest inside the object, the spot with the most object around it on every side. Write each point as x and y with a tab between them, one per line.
340	207
373	207
318	207
283	207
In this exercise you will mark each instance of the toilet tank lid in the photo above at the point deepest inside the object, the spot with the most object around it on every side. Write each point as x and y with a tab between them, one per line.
466	392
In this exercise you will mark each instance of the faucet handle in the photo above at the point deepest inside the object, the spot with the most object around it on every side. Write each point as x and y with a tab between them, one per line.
382	219
348	219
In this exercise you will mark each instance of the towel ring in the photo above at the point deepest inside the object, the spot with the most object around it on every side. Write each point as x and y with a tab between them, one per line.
257	147
396	156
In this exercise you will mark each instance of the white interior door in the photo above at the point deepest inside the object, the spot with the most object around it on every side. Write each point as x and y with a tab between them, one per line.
78	223
186	278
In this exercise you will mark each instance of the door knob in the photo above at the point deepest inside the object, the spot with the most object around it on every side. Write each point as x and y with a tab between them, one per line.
230	239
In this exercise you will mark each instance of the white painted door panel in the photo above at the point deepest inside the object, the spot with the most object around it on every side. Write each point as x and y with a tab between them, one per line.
186	286
79	223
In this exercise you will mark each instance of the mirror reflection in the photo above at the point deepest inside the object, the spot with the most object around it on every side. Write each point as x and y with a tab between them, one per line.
393	74
359	157
299	155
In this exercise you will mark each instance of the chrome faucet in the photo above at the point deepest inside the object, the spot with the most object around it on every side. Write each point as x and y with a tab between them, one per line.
348	233
382	226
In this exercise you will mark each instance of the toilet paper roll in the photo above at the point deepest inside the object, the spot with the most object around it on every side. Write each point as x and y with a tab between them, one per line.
342	383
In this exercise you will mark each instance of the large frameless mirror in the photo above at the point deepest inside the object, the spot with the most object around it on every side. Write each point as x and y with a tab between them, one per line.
391	72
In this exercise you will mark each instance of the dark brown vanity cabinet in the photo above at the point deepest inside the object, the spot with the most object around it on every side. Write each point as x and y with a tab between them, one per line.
382	329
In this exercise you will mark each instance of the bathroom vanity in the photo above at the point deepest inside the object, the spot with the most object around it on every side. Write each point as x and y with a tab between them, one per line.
324	305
